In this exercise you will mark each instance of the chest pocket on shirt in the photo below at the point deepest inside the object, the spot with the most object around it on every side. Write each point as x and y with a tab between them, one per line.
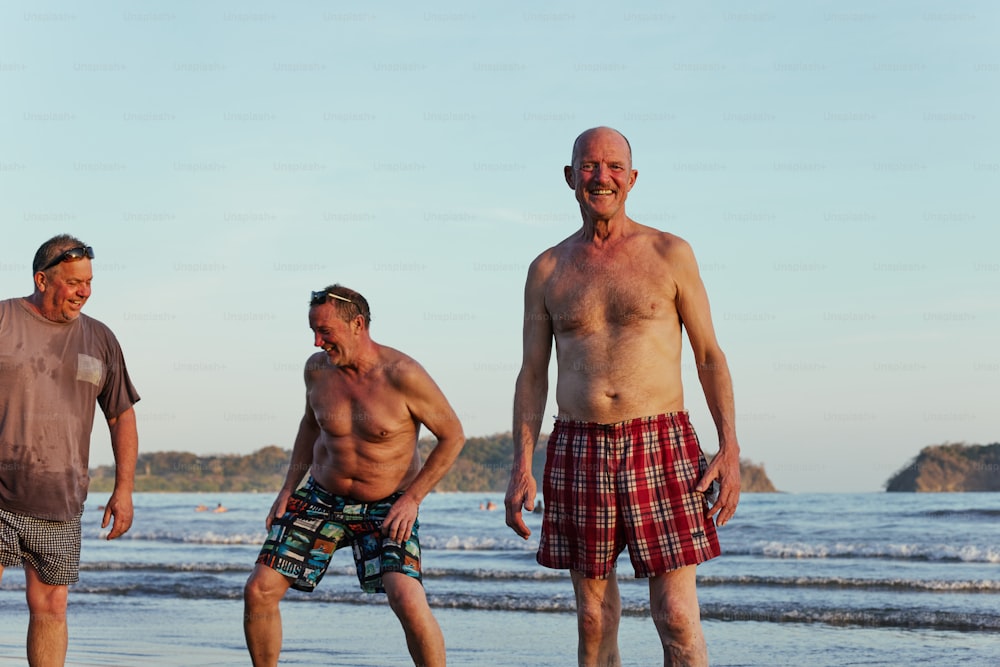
89	369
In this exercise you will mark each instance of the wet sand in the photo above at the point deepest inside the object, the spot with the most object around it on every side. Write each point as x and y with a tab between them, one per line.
132	631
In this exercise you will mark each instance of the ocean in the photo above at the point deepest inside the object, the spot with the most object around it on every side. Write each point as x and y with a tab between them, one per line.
819	579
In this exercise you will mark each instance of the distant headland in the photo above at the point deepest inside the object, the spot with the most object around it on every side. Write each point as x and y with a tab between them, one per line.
484	466
950	468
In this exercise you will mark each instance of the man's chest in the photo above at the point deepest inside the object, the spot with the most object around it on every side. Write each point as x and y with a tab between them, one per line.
596	295
372	413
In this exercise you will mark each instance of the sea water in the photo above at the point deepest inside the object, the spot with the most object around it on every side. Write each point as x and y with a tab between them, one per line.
908	567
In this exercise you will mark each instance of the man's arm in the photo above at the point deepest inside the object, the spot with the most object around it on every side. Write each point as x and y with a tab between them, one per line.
429	407
530	394
125	445
301	461
713	373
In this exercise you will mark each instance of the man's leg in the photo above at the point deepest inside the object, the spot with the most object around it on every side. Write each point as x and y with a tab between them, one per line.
261	614
47	633
673	600
423	634
598	611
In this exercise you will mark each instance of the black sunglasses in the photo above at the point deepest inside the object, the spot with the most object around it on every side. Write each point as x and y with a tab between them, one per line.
71	255
319	298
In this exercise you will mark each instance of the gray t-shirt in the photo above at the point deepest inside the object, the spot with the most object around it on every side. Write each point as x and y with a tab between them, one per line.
51	376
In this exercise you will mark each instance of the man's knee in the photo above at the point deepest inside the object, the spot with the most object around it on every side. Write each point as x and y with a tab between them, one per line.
678	625
674	607
265	587
598	609
596	620
44	599
676	620
47	602
681	635
405	594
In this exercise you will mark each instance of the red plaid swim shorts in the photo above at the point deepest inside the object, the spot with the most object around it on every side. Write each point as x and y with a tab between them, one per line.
608	486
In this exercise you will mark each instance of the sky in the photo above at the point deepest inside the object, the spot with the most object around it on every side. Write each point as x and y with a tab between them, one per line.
835	166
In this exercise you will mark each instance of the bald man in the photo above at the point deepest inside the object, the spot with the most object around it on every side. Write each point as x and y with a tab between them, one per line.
624	466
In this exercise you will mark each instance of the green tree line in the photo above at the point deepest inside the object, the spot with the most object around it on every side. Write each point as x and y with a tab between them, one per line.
483	466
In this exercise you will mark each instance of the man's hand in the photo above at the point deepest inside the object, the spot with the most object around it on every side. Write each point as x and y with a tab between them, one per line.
278	507
725	468
521	492
120	508
399	521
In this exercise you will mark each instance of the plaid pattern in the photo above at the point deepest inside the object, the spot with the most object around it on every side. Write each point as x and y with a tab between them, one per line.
52	548
316	523
608	486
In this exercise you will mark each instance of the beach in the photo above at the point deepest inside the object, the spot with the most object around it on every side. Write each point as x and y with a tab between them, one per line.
812	579
201	633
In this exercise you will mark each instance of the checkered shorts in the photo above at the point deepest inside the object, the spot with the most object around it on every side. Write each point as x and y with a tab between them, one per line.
52	548
608	486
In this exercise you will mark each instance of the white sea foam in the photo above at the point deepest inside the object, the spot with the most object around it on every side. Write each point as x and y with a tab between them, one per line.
930	552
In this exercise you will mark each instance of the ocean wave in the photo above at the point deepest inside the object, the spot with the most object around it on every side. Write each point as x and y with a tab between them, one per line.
518	603
429	542
483	574
476	543
183	590
875	618
878	618
504	603
933	585
920	552
209	537
977	513
927	616
191	567
494	575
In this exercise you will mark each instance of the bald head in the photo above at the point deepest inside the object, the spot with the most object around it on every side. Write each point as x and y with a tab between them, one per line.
586	135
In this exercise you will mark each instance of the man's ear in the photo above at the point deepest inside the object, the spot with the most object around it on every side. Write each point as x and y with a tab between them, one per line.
570	177
41	281
632	179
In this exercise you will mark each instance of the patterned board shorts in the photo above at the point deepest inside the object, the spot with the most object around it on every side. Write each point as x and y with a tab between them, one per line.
52	548
316	523
608	486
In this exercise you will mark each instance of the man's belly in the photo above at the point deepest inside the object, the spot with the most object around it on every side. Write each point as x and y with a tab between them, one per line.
606	401
363	478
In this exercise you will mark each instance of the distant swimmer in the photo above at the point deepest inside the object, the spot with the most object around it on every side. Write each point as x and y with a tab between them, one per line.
200	508
490	506
220	509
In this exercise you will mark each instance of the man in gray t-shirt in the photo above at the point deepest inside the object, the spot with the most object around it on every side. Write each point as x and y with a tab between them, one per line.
55	365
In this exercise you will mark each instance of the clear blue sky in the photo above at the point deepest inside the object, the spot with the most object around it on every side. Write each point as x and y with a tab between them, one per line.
834	165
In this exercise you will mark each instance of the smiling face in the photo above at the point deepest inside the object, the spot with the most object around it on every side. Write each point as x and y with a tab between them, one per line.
61	292
339	339
601	174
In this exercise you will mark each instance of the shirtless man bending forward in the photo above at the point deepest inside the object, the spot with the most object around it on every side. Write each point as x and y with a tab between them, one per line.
365	404
623	465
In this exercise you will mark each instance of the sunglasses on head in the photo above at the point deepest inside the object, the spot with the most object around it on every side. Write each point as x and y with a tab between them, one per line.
71	255
319	298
